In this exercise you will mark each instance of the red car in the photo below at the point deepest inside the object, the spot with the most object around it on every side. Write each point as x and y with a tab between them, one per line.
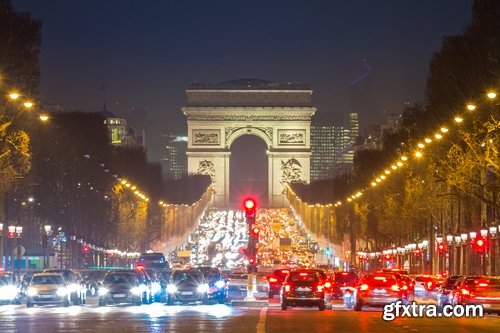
481	290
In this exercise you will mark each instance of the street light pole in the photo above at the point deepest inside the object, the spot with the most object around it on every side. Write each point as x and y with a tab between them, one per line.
19	234
48	230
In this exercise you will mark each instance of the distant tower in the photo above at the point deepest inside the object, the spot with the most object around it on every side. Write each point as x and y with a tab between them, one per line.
360	99
174	159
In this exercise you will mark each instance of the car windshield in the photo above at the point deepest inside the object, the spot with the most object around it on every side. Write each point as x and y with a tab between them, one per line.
303	277
187	277
47	279
119	278
451	282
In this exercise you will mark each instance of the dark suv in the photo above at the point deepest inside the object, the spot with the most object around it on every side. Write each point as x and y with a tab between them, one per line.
121	287
303	288
187	286
76	285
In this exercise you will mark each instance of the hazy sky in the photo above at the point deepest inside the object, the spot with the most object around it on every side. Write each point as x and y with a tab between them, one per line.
147	52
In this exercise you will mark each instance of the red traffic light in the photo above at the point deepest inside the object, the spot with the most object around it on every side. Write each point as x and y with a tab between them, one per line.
387	257
255	231
417	252
250	205
441	247
85	249
252	261
11	234
480	244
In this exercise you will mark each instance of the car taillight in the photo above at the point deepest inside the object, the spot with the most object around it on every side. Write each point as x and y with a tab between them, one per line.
465	292
395	287
363	287
405	287
287	287
328	284
429	285
319	288
273	280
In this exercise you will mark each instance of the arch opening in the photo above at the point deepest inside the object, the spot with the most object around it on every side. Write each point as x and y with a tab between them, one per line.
248	173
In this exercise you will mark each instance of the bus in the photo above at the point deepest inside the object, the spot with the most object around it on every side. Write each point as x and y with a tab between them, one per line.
153	260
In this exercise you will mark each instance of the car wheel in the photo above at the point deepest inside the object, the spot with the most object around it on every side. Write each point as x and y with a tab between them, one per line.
357	306
321	306
271	295
145	298
102	303
170	301
66	303
204	300
329	306
283	305
29	305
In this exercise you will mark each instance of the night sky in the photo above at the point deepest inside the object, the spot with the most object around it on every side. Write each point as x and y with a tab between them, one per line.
145	53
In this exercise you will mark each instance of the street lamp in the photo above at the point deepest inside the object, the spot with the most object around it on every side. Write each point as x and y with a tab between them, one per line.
48	231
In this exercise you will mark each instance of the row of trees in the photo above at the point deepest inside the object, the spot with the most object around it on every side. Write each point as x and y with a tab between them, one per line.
454	186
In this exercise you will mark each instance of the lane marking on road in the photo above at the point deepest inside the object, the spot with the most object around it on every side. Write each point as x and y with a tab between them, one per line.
261	325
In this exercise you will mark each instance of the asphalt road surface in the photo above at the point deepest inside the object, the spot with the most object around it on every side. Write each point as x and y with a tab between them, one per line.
158	317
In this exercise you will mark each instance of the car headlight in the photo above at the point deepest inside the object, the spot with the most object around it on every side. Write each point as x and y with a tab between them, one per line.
73	287
136	290
8	292
32	291
103	291
203	288
62	291
220	284
156	287
171	288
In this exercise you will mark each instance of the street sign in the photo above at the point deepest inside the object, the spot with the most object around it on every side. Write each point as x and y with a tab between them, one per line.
19	251
406	265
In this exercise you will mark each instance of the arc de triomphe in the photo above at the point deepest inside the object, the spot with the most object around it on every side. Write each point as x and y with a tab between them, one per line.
279	114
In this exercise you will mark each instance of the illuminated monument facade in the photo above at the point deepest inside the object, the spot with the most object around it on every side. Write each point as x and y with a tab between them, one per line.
279	114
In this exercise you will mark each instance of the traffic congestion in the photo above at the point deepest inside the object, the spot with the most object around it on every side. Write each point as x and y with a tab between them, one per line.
216	273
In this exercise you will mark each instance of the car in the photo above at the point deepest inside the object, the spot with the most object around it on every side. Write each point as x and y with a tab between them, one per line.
341	280
164	278
48	288
145	282
378	289
76	286
276	281
479	290
444	293
121	287
25	282
216	283
187	286
9	289
424	285
237	283
303	288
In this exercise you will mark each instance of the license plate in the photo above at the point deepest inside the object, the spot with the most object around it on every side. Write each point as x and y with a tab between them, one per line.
46	296
303	289
186	293
379	291
120	295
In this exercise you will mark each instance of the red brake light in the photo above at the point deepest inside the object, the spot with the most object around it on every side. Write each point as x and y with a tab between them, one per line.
344	273
465	292
429	285
483	285
405	287
363	287
287	287
272	279
320	288
304	274
328	284
380	278
395	287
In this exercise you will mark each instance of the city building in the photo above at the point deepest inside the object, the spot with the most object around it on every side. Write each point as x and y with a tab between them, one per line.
174	158
120	134
332	145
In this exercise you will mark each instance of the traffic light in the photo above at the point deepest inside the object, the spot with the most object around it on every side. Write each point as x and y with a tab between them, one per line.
250	206
387	257
254	232
85	249
11	234
418	252
441	247
480	244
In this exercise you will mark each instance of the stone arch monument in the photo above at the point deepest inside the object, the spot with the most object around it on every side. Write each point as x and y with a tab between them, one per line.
279	114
